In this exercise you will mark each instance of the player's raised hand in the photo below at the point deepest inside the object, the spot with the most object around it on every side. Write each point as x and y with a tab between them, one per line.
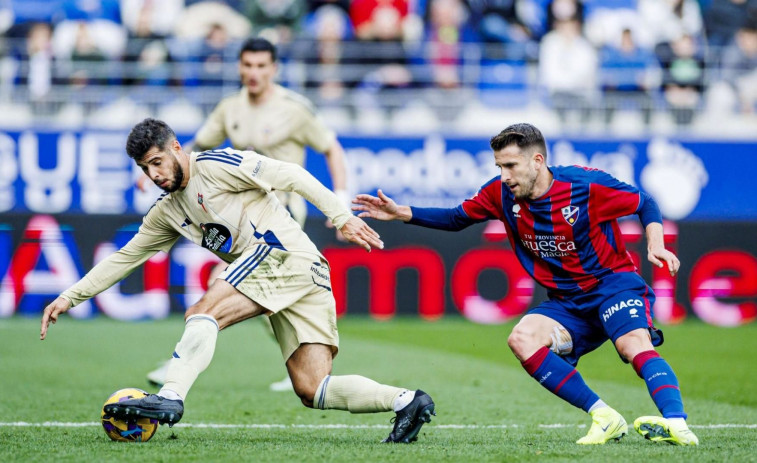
358	232
658	255
381	208
55	308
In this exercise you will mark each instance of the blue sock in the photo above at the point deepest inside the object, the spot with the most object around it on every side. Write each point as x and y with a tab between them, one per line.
560	378
662	383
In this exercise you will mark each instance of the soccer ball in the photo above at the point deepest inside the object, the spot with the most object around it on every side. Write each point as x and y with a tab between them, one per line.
133	430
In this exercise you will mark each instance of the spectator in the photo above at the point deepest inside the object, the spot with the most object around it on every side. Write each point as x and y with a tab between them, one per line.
564	10
323	50
725	17
39	50
446	30
683	76
667	20
630	73
315	5
362	13
497	21
279	20
739	66
568	69
151	18
148	23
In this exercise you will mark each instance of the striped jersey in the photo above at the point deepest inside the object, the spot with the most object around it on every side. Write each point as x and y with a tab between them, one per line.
568	238
227	207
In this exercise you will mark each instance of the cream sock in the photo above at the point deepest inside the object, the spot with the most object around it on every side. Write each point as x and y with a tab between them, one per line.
356	394
192	355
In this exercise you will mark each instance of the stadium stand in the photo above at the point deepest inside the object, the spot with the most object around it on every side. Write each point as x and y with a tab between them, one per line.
629	67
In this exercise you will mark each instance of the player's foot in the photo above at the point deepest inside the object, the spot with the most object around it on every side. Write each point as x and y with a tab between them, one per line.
659	429
607	424
151	406
157	377
282	386
408	421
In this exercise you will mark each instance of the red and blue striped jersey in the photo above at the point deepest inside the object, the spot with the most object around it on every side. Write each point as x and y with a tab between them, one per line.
568	238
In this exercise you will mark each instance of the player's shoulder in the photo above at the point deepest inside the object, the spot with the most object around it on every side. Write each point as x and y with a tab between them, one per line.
580	174
218	158
493	184
159	204
298	101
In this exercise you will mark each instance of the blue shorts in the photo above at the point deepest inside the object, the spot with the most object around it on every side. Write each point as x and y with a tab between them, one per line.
622	302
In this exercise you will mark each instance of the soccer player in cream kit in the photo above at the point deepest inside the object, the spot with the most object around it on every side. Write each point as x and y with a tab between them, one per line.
562	226
223	200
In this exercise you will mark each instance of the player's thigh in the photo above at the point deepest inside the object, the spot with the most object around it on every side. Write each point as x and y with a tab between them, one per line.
226	304
626	317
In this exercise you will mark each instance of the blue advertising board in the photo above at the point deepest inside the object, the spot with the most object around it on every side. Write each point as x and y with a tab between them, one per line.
89	172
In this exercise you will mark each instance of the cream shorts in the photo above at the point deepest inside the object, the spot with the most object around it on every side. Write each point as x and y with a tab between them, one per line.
296	288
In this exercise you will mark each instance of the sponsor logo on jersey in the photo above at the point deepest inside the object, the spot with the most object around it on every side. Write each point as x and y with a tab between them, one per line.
548	245
516	211
570	214
201	201
215	237
622	305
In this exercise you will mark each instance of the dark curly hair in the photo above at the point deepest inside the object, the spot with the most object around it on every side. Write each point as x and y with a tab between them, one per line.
524	135
147	134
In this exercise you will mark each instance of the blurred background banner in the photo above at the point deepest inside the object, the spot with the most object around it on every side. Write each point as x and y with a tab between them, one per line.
425	273
88	172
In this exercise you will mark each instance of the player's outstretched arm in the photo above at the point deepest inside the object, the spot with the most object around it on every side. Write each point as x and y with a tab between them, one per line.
58	306
381	208
656	252
358	232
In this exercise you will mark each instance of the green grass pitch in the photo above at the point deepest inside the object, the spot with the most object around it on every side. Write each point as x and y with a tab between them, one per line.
488	408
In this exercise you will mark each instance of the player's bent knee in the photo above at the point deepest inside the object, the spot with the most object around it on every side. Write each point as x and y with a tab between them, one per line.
631	344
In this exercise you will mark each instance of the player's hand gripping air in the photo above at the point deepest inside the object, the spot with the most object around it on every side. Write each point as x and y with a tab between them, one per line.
381	208
358	232
659	254
55	308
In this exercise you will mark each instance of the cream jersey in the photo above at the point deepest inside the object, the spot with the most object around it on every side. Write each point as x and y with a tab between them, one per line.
227	206
280	128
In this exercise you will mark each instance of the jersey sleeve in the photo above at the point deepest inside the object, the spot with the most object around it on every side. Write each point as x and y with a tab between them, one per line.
609	198
213	131
313	131
479	208
256	171
487	203
153	236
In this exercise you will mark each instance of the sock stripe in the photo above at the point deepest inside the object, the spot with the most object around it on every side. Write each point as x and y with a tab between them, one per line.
322	398
535	361
564	380
664	386
641	359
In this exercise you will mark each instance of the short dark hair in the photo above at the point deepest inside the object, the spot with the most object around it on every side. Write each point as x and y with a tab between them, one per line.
145	135
258	44
524	135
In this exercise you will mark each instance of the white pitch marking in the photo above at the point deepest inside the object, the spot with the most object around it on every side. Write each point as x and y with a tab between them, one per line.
63	424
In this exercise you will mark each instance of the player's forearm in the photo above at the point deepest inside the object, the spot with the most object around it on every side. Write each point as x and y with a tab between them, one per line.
655	237
105	274
452	219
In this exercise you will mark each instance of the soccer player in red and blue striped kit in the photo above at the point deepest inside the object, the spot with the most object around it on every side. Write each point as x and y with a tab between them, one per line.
562	225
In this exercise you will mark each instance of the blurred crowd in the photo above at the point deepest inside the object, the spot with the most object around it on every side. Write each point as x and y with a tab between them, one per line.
585	60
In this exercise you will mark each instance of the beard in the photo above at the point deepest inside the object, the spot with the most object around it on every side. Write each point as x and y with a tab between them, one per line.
526	188
178	179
